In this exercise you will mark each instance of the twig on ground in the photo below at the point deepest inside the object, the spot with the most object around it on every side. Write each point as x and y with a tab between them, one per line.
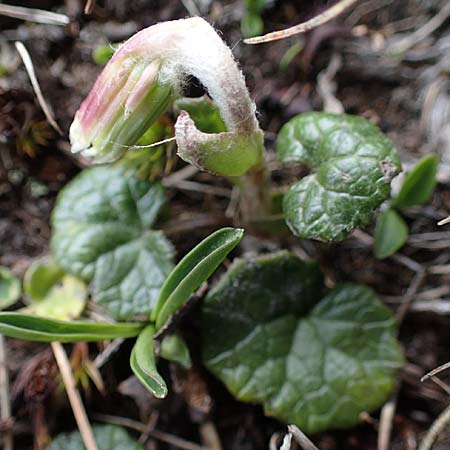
23	52
320	19
138	426
106	354
409	296
326	86
89	7
444	386
209	435
386	422
5	405
74	396
432	25
193	186
436	371
34	15
301	438
438	426
182	174
287	442
191	7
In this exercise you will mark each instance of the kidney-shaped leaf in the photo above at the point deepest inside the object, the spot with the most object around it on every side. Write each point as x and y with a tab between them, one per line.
195	268
142	362
314	360
353	163
41	329
107	437
101	226
419	184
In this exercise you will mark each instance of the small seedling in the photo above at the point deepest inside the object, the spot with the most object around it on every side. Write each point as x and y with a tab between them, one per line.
391	231
271	330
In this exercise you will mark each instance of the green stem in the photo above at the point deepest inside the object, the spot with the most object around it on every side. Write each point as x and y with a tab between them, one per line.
256	201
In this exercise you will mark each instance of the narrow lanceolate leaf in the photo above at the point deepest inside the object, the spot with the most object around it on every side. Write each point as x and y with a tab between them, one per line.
107	437
142	362
102	234
195	268
419	184
352	165
33	328
391	233
313	358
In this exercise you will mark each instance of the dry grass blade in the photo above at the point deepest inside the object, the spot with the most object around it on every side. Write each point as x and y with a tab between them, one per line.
142	428
34	15
386	421
438	426
74	397
23	52
436	371
302	440
5	406
320	19
89	6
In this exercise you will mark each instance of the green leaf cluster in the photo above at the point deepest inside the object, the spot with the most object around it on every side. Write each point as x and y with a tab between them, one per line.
391	231
352	164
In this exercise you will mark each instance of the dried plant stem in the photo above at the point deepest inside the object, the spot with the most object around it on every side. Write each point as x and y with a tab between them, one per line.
386	422
34	15
326	16
23	52
302	440
439	425
5	406
74	397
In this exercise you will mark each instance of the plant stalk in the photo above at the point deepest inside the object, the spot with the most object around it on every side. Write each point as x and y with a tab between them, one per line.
74	396
255	201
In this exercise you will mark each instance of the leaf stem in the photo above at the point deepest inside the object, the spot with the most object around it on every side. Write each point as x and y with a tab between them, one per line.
74	396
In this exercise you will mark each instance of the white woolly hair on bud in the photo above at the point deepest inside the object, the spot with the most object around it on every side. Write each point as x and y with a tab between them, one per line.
192	47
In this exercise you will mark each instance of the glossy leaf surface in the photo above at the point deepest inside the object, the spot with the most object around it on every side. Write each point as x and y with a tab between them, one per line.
195	268
314	359
102	234
352	164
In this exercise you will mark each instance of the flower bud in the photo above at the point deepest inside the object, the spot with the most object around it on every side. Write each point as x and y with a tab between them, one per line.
125	100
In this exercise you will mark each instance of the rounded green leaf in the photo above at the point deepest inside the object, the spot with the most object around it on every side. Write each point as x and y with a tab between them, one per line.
107	437
41	329
419	184
391	233
142	362
101	233
10	288
40	277
352	164
173	348
318	361
195	268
